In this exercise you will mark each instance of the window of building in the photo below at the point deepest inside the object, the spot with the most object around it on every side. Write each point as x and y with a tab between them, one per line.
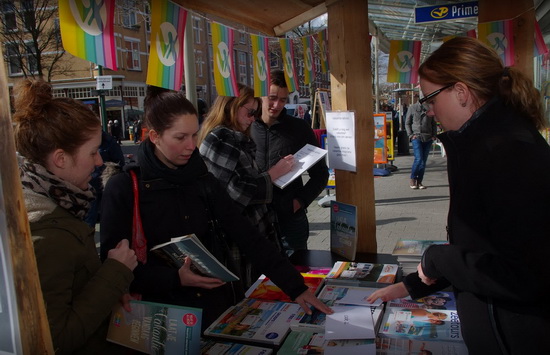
14	64
129	15
242	66
27	8
242	37
147	17
8	12
197	29
199	64
133	61
32	62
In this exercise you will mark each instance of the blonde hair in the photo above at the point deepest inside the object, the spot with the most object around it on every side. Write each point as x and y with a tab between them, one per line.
467	60
45	123
225	111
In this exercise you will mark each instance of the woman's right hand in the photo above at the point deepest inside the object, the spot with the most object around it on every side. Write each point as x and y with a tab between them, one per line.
122	253
282	167
190	279
389	293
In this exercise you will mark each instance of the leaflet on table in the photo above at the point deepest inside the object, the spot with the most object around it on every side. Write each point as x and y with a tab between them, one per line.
316	343
362	274
304	159
265	289
348	295
256	320
217	347
403	346
156	328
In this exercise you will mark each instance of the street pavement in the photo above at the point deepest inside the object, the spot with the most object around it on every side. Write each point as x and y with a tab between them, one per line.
401	212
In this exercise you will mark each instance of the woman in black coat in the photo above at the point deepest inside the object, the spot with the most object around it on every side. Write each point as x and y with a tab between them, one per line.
177	196
498	218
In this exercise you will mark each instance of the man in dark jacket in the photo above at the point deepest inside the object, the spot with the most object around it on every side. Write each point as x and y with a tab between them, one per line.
276	135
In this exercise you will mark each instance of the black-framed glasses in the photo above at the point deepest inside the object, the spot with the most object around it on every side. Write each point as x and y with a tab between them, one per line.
427	105
250	112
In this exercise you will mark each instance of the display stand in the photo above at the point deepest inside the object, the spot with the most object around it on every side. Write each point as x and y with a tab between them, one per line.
321	102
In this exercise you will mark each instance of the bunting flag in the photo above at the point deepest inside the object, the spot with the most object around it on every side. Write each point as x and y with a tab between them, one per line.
322	40
167	34
499	36
540	46
260	55
404	60
287	50
224	70
309	64
87	30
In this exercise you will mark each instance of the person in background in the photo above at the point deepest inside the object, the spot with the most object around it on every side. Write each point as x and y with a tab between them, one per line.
277	135
57	140
496	259
137	131
178	196
229	154
421	129
110	151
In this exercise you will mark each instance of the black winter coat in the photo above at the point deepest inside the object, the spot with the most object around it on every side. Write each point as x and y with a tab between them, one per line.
286	136
172	204
499	233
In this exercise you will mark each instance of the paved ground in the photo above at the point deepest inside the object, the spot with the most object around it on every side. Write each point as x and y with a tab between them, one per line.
401	212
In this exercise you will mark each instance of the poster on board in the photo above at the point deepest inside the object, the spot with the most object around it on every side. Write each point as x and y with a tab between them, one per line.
380	142
341	140
10	339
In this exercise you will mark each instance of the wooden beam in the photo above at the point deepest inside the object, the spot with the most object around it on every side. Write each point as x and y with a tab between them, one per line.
34	329
351	88
304	17
523	13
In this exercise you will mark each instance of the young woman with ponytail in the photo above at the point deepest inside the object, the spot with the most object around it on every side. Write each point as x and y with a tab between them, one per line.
499	180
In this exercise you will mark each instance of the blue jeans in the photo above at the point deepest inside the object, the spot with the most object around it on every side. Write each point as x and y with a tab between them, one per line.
421	152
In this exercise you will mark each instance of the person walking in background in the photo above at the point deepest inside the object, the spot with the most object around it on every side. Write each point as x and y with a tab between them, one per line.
116	130
57	140
277	135
421	129
498	224
178	196
229	154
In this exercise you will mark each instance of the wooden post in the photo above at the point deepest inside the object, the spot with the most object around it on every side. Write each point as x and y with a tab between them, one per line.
523	13
351	87
34	329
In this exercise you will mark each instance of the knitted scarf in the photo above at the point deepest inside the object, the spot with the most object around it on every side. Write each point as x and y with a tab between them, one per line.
37	178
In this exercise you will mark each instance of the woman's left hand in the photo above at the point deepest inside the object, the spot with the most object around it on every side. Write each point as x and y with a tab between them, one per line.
307	299
425	279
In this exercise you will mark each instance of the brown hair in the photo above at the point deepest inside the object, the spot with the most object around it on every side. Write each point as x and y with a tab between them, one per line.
45	123
470	61
277	77
225	111
163	106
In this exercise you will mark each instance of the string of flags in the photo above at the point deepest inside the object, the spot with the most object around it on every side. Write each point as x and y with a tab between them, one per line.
87	32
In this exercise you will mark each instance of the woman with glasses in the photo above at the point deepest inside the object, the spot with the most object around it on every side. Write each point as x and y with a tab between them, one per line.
499	173
229	154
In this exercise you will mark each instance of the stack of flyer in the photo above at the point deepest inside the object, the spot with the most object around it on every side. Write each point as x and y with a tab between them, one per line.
362	274
429	324
409	253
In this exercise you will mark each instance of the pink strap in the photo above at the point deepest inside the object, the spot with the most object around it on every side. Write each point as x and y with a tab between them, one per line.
139	242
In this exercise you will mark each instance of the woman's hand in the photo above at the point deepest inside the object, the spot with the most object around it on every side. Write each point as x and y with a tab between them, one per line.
307	299
122	253
282	167
425	279
190	279
389	293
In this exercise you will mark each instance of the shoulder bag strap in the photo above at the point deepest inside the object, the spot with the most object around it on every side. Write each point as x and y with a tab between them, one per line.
139	242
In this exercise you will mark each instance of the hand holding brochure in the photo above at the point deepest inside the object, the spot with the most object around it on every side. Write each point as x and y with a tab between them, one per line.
175	251
304	159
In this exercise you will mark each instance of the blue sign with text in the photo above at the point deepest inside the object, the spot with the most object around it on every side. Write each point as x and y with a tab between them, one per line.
446	12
